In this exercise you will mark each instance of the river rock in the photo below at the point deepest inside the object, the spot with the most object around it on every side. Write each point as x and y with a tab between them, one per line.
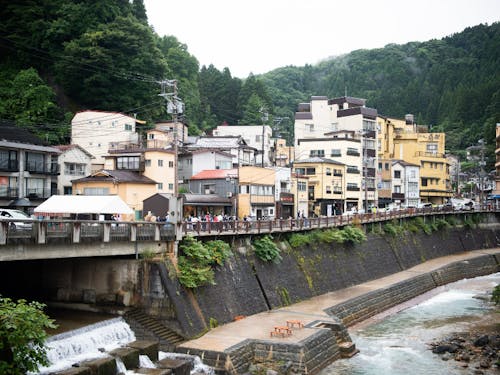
482	341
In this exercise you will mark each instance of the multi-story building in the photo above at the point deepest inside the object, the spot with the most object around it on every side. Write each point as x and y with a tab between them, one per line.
412	143
282	154
496	193
95	130
257	136
74	162
256	192
241	152
405	182
345	117
300	189
166	132
28	168
192	162
327	186
284	197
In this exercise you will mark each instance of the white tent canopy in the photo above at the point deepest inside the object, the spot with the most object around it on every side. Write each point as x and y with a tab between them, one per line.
83	204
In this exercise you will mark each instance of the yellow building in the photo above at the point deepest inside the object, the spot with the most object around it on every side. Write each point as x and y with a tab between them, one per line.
300	192
131	187
412	143
256	192
326	185
283	154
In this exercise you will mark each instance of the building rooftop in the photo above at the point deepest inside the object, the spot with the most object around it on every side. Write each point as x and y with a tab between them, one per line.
117	176
213	174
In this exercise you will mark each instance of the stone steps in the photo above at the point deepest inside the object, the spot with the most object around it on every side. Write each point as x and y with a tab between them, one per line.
165	335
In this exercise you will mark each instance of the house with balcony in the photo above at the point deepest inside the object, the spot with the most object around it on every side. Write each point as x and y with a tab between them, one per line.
74	162
256	197
94	131
405	140
28	168
405	184
345	118
167	132
258	137
327	186
285	200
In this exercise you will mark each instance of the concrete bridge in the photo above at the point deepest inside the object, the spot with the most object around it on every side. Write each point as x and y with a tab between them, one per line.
27	239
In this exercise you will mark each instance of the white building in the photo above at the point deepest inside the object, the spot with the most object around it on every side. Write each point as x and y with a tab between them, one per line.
94	131
74	162
242	153
405	182
345	117
256	136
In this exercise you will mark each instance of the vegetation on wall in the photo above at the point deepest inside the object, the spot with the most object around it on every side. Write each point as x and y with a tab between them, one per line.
266	250
198	259
346	235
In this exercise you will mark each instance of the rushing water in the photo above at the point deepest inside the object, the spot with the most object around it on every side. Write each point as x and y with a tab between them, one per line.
398	344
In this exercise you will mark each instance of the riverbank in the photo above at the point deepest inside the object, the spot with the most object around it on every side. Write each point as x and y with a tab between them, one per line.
233	346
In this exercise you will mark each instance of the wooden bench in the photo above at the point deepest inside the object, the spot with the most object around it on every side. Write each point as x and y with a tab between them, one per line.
292	323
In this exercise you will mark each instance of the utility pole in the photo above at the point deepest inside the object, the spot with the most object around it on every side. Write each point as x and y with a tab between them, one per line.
265	118
174	107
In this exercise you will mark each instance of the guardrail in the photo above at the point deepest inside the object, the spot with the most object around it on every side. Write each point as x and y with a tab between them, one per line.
46	232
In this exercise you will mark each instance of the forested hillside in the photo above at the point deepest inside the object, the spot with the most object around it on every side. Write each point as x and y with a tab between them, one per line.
61	56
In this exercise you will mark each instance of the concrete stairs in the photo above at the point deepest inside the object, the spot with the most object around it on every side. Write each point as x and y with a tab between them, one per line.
146	327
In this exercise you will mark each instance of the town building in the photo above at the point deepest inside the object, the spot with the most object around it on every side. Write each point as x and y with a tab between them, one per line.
282	155
405	184
412	143
242	153
327	187
496	192
28	168
191	163
347	118
94	131
285	200
256	198
74	162
257	136
166	132
300	193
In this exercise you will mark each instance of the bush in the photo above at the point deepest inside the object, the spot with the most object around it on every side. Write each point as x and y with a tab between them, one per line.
193	275
266	249
392	229
219	251
329	236
495	297
353	235
299	240
22	336
442	224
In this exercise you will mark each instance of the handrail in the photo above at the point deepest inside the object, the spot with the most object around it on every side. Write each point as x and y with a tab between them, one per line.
47	232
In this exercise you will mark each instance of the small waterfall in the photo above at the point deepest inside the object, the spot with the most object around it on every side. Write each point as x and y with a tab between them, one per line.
86	343
145	362
120	366
198	366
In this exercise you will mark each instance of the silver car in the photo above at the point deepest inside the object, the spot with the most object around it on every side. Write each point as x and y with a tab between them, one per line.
15	214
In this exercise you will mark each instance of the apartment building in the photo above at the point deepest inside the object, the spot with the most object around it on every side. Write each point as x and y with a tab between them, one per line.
412	143
256	192
242	153
496	192
94	131
345	128
258	137
283	195
282	154
28	168
405	184
326	186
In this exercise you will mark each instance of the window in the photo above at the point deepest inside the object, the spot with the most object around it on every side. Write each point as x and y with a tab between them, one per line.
352	169
352	151
258	138
328	189
412	187
379	167
424	181
397	174
128	162
300	171
310	128
170	164
328	171
352	186
397	188
386	166
310	171
128	127
147	163
432	148
209	189
413	173
67	190
369	125
160	186
35	162
8	160
301	186
337	172
74	169
95	191
35	187
151	136
261	190
336	153
317	153
170	186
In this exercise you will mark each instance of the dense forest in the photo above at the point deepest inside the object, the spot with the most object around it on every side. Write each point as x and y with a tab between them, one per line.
61	56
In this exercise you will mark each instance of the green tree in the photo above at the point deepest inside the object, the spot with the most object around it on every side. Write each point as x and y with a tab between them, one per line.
22	336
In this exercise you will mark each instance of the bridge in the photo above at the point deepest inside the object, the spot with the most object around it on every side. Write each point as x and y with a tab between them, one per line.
28	239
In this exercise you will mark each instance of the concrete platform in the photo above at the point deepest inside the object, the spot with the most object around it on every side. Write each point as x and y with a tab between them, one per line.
258	327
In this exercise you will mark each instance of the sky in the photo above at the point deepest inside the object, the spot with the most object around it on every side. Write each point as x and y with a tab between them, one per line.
258	36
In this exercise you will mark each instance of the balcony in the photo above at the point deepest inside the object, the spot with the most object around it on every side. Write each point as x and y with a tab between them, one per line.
352	170
262	199
353	152
398	196
429	154
41	168
38	193
8	192
9	165
337	174
337	192
370	172
352	188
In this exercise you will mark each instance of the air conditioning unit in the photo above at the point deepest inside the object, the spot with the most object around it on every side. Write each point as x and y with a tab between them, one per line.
229	194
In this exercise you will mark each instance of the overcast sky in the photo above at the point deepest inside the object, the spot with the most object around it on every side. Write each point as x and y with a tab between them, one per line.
260	35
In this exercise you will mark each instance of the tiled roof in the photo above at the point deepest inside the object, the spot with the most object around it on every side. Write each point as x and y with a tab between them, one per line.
13	133
117	176
213	174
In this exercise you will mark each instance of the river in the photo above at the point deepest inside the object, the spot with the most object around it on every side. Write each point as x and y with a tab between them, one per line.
397	344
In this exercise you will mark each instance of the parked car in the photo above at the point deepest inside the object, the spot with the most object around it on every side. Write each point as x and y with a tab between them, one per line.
16	214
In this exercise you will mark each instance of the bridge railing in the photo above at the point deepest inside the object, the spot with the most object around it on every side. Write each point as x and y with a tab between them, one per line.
46	232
